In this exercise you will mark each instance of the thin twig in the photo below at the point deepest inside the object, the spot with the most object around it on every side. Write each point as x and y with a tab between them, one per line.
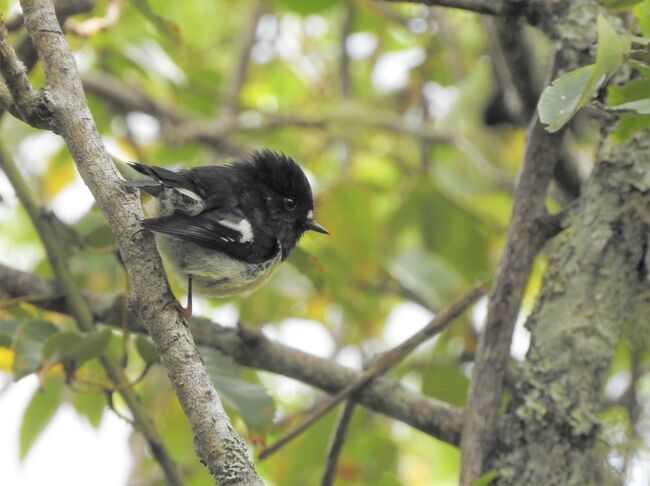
382	364
243	60
488	7
344	58
344	73
215	132
94	25
6	303
338	439
13	70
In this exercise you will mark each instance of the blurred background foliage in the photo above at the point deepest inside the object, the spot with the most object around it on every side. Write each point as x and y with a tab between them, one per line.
395	113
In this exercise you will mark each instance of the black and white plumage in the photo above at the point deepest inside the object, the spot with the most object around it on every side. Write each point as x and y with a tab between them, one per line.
228	227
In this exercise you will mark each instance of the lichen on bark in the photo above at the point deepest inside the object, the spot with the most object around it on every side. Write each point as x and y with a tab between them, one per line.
595	276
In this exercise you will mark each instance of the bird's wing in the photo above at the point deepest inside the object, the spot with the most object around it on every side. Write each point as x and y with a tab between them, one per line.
175	190
230	233
163	177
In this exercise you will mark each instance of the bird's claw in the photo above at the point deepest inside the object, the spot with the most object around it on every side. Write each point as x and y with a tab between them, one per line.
185	312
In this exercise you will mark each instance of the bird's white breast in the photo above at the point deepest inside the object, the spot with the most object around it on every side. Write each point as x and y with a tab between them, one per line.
214	273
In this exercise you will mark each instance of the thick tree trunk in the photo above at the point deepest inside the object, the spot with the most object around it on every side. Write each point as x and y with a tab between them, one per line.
594	280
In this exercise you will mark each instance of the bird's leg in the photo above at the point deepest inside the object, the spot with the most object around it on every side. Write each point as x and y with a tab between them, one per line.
185	312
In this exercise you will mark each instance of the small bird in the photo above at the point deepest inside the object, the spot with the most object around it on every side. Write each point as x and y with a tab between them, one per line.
226	228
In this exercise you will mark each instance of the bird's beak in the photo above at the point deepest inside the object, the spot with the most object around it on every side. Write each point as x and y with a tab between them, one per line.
314	226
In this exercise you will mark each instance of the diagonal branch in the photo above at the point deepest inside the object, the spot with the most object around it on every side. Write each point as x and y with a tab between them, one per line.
384	362
216	442
338	439
82	313
488	7
526	234
254	350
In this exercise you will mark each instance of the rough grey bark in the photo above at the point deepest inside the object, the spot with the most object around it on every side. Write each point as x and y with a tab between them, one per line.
573	25
216	442
595	277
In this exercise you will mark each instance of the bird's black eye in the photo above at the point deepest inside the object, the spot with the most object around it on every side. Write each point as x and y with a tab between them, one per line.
289	204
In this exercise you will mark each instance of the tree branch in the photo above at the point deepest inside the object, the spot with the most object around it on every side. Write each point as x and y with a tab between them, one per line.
83	315
216	442
512	59
31	106
487	7
256	351
595	280
572	24
525	237
243	61
338	439
384	362
64	9
534	11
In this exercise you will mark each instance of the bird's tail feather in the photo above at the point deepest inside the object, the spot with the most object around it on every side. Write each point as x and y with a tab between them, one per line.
165	177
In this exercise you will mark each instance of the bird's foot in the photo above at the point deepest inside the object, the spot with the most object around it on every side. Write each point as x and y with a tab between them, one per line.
185	312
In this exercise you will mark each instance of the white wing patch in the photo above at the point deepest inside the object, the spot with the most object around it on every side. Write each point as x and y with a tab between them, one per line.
190	194
243	227
310	214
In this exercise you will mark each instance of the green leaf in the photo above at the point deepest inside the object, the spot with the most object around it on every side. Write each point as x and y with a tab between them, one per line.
73	349
611	52
146	350
559	101
218	364
165	27
444	381
27	342
38	414
639	60
637	89
571	91
644	41
58	345
250	401
428	276
94	230
92	345
7	330
618	4
642	107
309	265
90	405
628	125
642	14
306	7
485	479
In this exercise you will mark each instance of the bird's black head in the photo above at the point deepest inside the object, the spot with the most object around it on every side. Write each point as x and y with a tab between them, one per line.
287	195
